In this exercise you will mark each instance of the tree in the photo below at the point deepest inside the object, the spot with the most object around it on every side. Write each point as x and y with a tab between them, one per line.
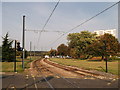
80	41
63	50
53	52
118	50
74	53
106	45
0	53
7	50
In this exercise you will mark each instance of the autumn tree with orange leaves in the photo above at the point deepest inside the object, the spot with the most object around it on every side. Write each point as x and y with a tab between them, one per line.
105	45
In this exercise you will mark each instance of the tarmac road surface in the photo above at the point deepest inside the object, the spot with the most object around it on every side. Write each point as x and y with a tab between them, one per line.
26	82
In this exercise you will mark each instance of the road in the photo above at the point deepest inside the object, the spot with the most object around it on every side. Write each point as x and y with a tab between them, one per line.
42	81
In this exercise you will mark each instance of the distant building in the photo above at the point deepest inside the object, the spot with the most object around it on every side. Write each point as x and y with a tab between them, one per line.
110	31
46	56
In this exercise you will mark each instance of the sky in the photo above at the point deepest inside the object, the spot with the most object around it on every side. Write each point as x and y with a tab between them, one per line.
0	23
66	16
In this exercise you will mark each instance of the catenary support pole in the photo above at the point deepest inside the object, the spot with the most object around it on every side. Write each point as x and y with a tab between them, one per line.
30	49
23	43
34	50
15	57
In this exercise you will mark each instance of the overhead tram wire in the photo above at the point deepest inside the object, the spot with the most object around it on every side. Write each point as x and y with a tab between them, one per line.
50	15
48	20
84	22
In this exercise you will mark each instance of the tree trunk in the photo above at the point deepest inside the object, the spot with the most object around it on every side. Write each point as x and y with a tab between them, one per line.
102	58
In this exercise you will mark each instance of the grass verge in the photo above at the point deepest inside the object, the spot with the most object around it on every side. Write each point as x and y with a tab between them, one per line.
9	66
89	64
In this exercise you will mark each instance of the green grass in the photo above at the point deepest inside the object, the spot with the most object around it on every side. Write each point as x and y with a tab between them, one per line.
9	66
89	64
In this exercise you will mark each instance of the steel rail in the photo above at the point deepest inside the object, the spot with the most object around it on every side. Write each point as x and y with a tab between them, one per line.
71	69
36	66
92	74
75	86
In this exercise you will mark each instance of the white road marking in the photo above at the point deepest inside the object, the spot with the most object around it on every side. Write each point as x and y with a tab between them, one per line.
113	80
34	81
27	77
108	83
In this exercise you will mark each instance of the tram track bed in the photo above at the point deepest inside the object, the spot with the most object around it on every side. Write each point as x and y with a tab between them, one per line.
58	79
41	69
88	73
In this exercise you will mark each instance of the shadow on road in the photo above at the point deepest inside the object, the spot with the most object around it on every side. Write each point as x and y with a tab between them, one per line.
38	81
47	78
5	76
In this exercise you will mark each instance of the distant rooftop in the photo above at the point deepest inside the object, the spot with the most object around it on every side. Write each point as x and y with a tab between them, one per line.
110	31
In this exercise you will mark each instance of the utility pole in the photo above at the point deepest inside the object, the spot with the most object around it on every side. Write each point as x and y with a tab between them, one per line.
15	57
106	56
34	50
106	64
23	43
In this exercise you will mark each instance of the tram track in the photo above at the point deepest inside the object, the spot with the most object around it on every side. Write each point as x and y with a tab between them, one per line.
41	68
58	75
51	77
89	75
75	70
35	65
